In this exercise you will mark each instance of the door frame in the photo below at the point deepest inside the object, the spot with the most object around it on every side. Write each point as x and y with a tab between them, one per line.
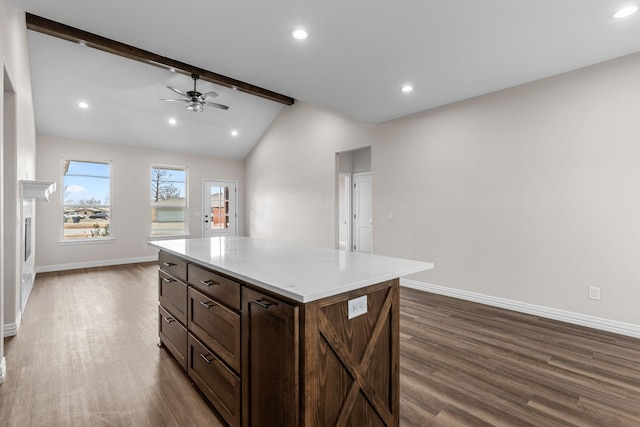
347	199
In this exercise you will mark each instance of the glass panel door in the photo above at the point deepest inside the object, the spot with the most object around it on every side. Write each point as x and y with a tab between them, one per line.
219	216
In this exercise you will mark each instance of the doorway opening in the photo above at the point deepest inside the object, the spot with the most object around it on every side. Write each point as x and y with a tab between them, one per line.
354	225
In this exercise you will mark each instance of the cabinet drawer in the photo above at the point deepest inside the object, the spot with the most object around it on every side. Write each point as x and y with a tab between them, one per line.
215	286
215	380
175	266
172	294
215	325
173	335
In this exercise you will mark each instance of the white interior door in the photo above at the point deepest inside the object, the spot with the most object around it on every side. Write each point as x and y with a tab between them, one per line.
362	212
219	216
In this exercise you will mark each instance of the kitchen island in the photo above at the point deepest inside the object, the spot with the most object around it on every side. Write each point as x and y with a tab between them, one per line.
281	334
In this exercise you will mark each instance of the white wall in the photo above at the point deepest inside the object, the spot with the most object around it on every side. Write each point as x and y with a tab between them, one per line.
20	164
362	160
291	174
130	198
529	194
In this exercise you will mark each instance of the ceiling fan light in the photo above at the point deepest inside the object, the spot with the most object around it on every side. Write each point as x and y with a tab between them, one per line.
194	106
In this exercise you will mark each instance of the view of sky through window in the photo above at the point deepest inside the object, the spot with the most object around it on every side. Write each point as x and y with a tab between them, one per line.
87	181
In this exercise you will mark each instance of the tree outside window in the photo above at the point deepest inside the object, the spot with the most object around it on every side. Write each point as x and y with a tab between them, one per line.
168	201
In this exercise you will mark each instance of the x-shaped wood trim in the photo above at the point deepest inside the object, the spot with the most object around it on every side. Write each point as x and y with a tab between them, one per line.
358	370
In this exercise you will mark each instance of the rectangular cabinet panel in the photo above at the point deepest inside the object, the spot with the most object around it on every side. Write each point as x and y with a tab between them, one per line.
215	286
172	294
352	364
173	335
271	361
215	380
215	325
173	265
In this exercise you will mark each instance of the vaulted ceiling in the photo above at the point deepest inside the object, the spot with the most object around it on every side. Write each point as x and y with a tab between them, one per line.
358	55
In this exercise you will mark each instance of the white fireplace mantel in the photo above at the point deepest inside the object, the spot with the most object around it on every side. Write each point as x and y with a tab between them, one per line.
37	190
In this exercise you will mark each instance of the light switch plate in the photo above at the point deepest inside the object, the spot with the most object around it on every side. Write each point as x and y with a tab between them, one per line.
357	306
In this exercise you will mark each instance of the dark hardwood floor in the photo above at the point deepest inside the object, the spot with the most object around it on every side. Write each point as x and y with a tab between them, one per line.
86	355
469	364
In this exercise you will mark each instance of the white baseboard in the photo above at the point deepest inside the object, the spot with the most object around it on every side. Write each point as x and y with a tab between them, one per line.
621	328
11	329
3	370
91	264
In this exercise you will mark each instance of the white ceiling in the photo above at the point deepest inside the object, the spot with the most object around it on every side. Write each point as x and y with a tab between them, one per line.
125	107
358	55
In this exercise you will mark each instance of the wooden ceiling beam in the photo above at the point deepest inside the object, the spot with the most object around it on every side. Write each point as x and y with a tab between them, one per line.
56	29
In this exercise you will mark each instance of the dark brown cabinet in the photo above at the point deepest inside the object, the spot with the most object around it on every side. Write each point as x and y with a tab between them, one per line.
215	380
172	309
262	359
270	331
172	295
173	335
173	265
216	325
215	286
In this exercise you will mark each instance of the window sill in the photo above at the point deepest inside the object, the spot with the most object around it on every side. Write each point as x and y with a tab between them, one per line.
86	241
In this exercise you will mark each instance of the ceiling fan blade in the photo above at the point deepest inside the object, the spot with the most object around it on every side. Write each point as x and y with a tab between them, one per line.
220	106
178	91
210	94
180	100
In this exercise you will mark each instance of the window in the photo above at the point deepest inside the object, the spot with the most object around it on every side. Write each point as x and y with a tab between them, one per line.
87	200
168	201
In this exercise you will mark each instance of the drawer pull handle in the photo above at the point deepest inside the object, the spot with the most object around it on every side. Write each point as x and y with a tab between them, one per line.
208	304
169	319
206	358
262	303
209	282
169	264
168	280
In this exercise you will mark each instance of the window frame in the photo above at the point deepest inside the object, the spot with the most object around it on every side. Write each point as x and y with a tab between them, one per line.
80	241
174	234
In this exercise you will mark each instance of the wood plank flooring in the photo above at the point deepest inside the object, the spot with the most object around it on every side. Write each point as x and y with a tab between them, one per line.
86	355
469	364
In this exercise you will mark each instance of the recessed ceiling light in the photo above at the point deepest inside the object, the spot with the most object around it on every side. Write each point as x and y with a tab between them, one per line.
625	11
83	105
234	133
407	88
172	121
299	34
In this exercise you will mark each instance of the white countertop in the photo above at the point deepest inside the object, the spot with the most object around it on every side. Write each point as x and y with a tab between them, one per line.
302	273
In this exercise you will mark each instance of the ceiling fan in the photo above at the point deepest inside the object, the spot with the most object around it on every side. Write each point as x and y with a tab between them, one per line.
196	100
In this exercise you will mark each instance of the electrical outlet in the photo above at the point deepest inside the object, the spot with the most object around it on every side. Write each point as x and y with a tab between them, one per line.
357	306
594	293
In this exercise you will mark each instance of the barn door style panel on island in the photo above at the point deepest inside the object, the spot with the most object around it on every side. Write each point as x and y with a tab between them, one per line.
356	361
285	335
